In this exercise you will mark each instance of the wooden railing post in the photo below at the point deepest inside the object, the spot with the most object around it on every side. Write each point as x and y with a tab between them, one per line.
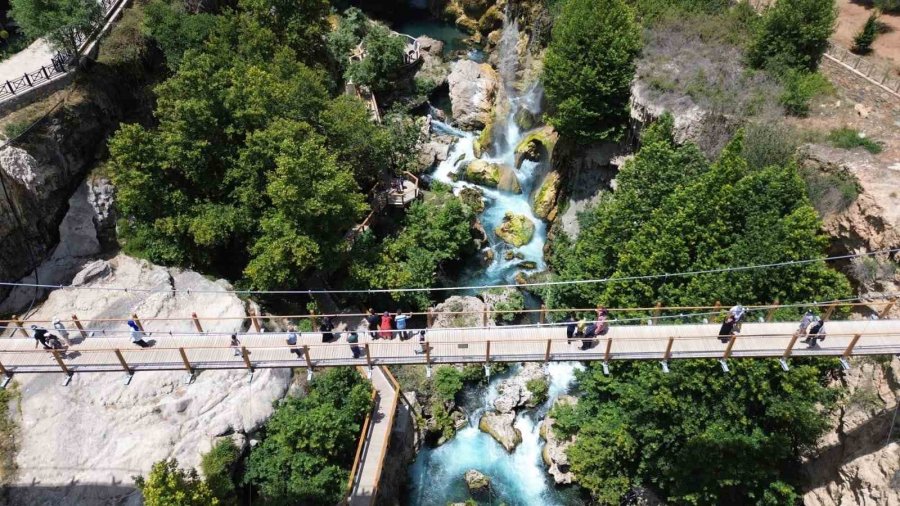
427	353
369	356
790	346
729	347
887	309
487	352
849	350
656	312
78	326
668	354
246	356
137	321
197	322
771	312
306	356
123	362
187	363
608	350
547	353
62	365
484	317
543	314
829	311
430	317
253	320
19	326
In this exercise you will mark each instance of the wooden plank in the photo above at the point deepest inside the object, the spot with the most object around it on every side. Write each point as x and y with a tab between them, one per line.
253	320
306	355
829	311
62	365
790	346
669	349
547	352
608	350
246	356
197	323
122	361
77	323
887	309
849	350
730	346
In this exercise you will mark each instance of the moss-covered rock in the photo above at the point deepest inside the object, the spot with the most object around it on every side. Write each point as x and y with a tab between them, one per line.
536	144
516	229
482	144
491	20
544	201
525	119
467	25
493	175
472	197
528	265
475	8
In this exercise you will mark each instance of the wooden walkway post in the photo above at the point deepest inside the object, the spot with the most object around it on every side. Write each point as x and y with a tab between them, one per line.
790	346
187	363
771	312
78	325
887	309
368	356
312	319
849	350
656	311
547	353
62	365
608	350
123	362
306	356
430	317
828	312
668	354
137	321
543	314
484	317
487	352
253	320
197	322
19	326
246	356
728	348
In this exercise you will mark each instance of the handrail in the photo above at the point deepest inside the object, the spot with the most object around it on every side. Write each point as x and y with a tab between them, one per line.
363	438
387	444
662	309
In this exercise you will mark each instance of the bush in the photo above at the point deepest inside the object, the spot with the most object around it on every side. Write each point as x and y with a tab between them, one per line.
848	138
589	67
768	143
126	46
14	129
384	59
217	467
862	43
539	388
448	382
800	88
168	485
175	30
830	192
565	420
793	35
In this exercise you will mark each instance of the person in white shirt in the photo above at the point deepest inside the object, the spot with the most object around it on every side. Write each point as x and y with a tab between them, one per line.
61	330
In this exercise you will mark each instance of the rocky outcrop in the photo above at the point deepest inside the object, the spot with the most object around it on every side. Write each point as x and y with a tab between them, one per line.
515	229
500	427
87	229
473	87
433	69
472	197
433	150
855	464
588	175
459	311
537	145
492	175
100	431
477	483
545	198
554	451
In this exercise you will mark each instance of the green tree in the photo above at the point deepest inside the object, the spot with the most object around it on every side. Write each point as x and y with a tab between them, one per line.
358	142
218	467
309	442
589	67
352	27
61	22
301	25
793	35
383	61
448	382
175	30
862	43
167	485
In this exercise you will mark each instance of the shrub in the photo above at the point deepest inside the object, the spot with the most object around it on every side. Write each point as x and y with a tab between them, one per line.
14	129
768	143
384	58
800	88
539	388
125	48
862	43
589	67
217	467
168	485
830	192
448	382
175	30
793	35
848	138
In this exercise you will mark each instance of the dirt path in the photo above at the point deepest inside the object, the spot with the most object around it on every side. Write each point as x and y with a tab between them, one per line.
851	18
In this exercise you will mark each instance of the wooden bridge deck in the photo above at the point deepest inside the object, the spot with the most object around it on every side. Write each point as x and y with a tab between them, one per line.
501	344
369	462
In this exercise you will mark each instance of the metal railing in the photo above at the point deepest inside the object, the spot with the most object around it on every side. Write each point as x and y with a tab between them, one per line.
881	75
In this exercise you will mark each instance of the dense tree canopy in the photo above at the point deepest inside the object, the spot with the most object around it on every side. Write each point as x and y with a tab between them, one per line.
589	67
252	168
174	30
383	60
309	442
60	21
168	485
794	35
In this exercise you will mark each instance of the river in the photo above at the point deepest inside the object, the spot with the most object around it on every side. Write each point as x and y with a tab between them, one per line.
519	477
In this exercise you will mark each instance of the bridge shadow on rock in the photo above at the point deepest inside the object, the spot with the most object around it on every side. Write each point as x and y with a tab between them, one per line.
81	494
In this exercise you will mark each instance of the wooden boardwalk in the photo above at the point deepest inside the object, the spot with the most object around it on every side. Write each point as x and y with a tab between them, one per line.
366	473
531	343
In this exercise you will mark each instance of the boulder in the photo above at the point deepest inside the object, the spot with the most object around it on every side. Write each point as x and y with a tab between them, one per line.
447	314
434	150
525	119
472	197
513	393
510	255
492	175
544	201
433	70
516	229
477	483
487	256
428	45
554	450
491	20
528	265
473	87
500	427
482	143
536	145
99	430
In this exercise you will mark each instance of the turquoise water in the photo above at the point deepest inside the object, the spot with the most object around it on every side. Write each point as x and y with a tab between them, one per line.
446	32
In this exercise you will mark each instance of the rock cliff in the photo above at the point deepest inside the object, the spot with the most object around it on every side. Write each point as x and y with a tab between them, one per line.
83	443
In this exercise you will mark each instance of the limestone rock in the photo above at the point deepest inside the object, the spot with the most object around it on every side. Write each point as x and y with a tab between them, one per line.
477	483
544	202
537	144
554	450
434	69
472	89
492	175
482	143
500	427
516	229
434	150
472	307
513	393
101	196
23	168
98	430
525	119
430	46
472	197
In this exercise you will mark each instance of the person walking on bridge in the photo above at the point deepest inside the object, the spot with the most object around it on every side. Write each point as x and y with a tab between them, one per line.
738	313
400	321
816	332
602	323
61	330
805	321
386	325
292	341
571	327
137	335
40	336
372	321
727	329
353	339
326	329
235	345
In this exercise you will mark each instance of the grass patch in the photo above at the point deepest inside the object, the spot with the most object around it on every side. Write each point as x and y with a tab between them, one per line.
849	138
830	192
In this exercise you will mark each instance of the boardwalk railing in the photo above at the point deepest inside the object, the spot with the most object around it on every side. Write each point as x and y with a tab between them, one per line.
881	75
58	64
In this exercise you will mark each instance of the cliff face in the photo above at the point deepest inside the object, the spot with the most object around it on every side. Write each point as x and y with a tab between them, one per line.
43	168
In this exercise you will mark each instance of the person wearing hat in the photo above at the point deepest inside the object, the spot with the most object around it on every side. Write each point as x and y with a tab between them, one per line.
805	321
137	335
61	330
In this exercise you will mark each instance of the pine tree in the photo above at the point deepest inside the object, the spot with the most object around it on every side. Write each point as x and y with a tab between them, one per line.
862	43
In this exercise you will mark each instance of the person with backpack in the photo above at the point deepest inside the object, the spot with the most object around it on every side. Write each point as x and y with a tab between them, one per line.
292	341
589	333
40	336
372	320
353	339
386	325
235	345
326	329
808	318
61	330
137	335
571	327
816	332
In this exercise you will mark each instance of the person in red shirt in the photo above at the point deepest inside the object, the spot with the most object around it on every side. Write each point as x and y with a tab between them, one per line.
385	328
